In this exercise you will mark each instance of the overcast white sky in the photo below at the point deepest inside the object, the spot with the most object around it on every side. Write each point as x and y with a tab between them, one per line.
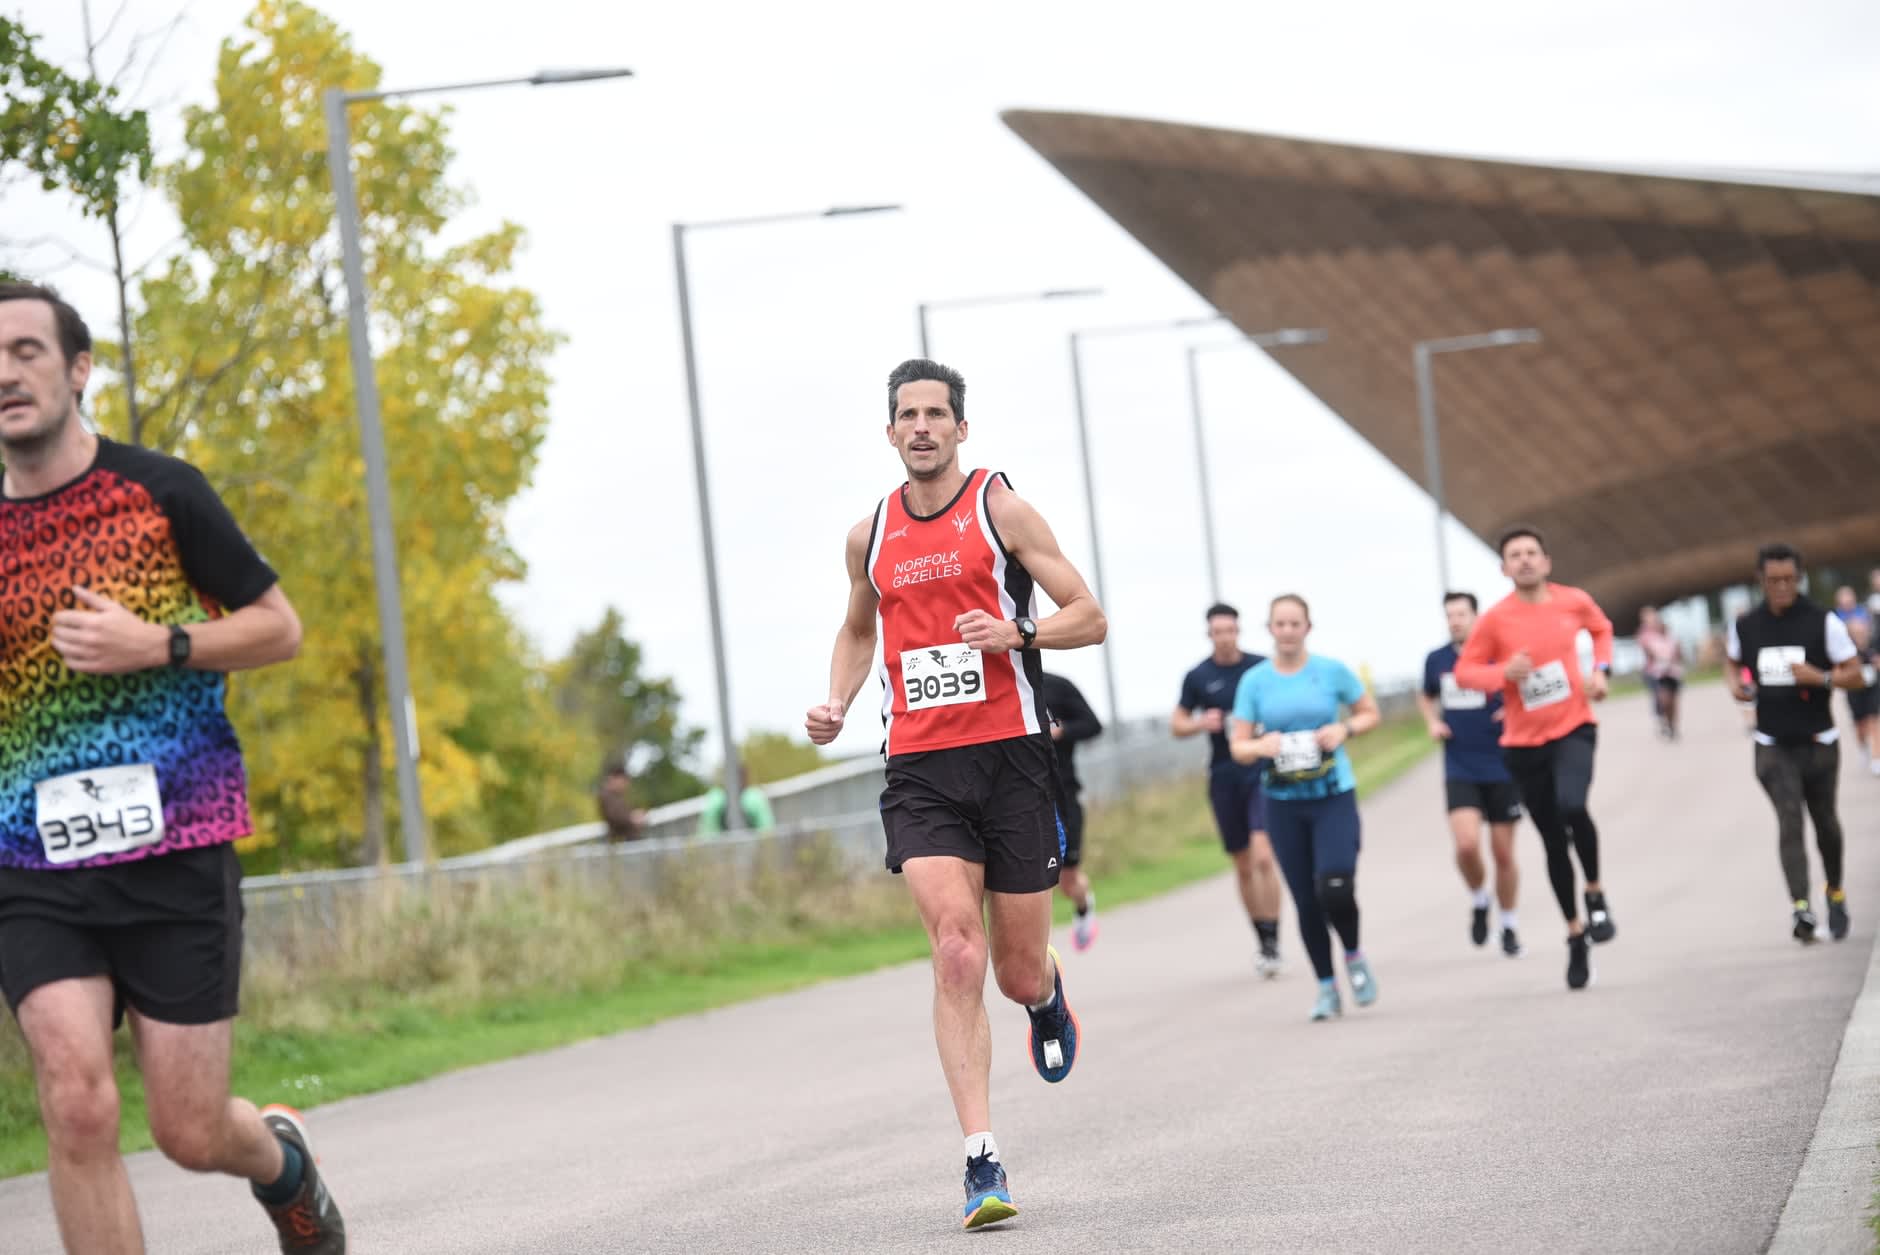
747	108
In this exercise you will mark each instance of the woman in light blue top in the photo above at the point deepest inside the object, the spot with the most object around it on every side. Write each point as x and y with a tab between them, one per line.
1287	710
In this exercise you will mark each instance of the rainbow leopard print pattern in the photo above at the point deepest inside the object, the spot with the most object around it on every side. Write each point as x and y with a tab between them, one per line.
134	528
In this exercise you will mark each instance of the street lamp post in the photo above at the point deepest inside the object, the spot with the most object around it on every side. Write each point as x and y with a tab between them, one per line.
1426	405
1285	337
1083	451
1012	298
404	710
734	770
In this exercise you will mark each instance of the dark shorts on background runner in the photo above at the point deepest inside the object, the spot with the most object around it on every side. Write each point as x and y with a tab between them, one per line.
994	803
1071	812
1499	802
1239	804
166	930
1863	703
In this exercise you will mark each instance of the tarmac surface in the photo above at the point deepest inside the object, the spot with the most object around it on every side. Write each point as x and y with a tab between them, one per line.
1479	1106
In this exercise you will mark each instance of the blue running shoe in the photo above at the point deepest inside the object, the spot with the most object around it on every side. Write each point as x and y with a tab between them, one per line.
1054	1030
988	1199
1363	984
1328	1004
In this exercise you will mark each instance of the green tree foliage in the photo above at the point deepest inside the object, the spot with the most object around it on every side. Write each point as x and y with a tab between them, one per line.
67	131
621	713
245	371
770	756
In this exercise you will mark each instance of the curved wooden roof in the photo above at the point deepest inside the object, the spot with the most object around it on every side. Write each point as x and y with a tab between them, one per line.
1710	376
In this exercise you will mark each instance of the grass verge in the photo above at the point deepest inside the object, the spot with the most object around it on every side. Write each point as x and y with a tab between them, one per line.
402	987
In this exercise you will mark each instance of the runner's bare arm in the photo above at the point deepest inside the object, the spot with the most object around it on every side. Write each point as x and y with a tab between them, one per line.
1184	722
1246	748
855	641
1079	621
102	637
1432	713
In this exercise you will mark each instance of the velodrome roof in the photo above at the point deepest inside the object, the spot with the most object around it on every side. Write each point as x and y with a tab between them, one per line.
1710	374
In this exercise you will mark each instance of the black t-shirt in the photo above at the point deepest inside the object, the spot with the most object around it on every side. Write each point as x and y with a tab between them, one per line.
1211	686
145	531
1069	710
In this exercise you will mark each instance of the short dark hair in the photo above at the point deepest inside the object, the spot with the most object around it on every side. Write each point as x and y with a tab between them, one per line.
1220	608
915	369
1468	597
1776	551
1296	599
1516	533
74	335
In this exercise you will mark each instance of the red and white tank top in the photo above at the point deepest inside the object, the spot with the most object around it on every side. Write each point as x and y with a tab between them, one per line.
937	692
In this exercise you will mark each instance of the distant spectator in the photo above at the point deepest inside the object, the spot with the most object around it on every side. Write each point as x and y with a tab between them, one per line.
756	807
624	821
1873	598
1847	606
1664	669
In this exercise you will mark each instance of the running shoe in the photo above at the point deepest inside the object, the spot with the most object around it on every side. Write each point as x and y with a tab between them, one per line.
1807	929
1363	984
1054	1030
1084	928
1599	925
1328	1004
1510	943
308	1223
1579	961
1837	917
988	1198
1478	926
1268	964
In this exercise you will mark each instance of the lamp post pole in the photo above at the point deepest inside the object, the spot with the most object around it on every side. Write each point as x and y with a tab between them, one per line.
404	709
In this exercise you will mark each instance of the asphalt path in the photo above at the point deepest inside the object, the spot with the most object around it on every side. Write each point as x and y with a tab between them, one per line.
1479	1106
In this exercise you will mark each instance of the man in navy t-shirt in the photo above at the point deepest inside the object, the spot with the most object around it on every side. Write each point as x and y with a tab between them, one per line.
1233	791
1468	723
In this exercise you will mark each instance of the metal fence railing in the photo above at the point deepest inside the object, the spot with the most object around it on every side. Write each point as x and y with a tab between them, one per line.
837	803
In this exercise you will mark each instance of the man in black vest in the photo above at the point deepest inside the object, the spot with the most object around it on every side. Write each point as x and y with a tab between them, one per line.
1798	652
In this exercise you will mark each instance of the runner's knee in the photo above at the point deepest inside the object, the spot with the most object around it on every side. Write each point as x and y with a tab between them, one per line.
80	1108
959	960
1337	895
1024	978
191	1144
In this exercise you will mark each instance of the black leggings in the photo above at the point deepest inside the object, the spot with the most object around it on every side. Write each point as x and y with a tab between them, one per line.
1797	776
1555	779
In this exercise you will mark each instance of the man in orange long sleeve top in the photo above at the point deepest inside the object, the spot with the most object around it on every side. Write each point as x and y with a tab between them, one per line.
1526	648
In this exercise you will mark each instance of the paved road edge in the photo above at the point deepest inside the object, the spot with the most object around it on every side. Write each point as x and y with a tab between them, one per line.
1827	1208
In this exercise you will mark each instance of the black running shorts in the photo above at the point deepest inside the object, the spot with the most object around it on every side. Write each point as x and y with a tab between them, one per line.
166	930
994	803
1500	803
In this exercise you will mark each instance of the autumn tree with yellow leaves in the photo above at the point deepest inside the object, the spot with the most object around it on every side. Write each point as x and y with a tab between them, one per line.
243	344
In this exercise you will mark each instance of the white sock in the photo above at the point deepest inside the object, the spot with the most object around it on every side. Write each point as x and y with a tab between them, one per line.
1053	995
982	1144
1507	920
1482	899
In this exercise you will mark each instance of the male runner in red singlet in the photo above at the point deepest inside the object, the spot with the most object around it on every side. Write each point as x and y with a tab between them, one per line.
948	560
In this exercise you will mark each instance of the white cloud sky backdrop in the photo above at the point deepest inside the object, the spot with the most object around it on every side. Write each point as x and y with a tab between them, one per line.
749	109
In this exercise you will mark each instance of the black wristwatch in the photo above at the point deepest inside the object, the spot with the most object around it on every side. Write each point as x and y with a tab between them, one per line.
179	645
1027	632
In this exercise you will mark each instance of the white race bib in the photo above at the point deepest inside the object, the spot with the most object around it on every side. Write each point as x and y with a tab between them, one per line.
1774	663
1455	697
1298	751
946	675
107	810
1546	686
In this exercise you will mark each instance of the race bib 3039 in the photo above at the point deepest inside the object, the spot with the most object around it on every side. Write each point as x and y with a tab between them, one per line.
944	675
